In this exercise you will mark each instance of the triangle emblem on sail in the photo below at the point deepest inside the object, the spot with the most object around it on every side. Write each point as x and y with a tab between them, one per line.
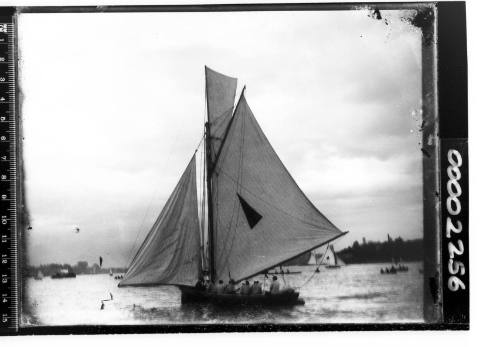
248	165
253	217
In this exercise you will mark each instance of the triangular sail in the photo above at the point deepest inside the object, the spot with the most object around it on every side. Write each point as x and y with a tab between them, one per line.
221	91
338	261
249	169
329	257
170	254
312	259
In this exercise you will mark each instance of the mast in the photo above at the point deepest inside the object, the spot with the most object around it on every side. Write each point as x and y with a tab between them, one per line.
219	95
208	165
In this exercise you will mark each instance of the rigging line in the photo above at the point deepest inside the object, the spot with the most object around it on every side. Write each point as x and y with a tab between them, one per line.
146	213
200	182
229	241
159	218
314	272
295	256
228	128
218	155
199	206
204	207
202	222
140	227
223	116
200	142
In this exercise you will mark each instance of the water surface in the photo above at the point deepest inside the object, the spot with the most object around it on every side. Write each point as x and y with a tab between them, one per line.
351	294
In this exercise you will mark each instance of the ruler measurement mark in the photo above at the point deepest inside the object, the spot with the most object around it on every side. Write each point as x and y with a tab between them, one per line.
8	180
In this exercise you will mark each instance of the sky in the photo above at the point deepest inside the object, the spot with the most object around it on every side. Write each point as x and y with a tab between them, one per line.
113	109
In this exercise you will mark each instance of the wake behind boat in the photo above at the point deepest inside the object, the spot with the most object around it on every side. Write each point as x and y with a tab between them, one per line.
253	216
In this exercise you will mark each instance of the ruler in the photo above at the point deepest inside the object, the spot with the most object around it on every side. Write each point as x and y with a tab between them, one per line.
8	175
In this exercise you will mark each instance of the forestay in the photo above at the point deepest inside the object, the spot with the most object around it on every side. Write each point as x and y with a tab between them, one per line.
170	254
261	217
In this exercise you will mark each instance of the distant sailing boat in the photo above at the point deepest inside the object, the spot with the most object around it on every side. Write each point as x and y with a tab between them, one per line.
329	258
39	275
254	216
332	260
312	259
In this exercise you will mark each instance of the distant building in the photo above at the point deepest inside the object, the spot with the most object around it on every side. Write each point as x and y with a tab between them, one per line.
81	267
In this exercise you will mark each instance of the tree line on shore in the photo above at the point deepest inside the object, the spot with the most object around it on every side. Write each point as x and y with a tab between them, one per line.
391	250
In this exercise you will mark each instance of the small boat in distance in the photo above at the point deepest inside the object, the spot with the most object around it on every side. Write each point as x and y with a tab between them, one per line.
282	271
327	257
39	275
332	259
63	273
253	218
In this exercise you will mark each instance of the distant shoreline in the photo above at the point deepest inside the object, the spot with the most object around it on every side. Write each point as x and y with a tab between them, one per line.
372	252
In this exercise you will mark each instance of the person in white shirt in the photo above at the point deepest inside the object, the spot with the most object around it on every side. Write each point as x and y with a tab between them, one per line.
275	286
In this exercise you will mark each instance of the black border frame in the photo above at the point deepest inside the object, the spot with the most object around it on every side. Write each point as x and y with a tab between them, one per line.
448	106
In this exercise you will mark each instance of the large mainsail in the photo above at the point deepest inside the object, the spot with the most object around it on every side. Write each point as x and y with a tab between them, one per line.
261	217
170	254
221	90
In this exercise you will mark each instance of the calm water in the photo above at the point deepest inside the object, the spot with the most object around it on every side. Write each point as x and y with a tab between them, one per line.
355	293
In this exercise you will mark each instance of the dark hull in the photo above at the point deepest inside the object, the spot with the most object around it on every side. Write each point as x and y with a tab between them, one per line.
332	266
284	298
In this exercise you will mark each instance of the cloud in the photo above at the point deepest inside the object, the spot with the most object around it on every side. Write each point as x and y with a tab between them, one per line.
111	117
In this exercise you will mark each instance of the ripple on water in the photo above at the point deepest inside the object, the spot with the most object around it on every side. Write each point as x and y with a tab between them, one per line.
355	293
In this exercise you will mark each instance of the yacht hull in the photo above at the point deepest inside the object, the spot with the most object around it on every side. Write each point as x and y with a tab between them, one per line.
286	297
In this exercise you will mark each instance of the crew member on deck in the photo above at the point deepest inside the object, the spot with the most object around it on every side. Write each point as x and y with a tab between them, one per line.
219	288
199	284
275	286
256	288
230	288
245	288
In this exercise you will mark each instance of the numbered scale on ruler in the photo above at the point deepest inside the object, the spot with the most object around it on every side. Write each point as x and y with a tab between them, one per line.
8	236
